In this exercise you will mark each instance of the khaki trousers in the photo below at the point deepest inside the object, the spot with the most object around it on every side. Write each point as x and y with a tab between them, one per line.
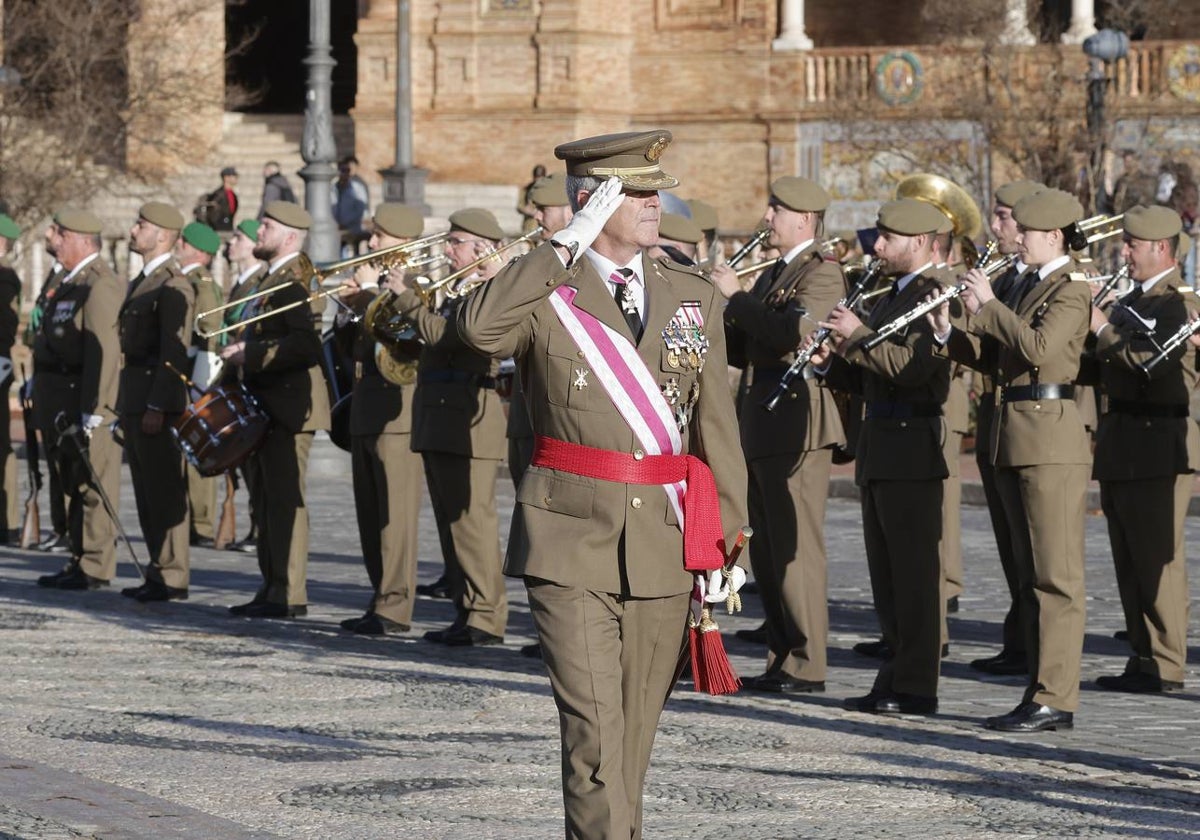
950	548
787	496
1013	634
156	466
387	499
1045	506
90	528
463	493
1145	527
279	469
612	664
202	499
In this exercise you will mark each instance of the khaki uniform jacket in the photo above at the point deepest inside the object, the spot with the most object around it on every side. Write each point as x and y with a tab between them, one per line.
770	316
574	524
904	369
1040	342
456	417
1129	446
208	297
283	355
379	406
155	325
76	350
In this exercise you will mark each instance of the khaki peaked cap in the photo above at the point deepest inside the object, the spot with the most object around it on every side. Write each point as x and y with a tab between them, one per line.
1009	194
679	228
800	194
399	220
79	221
289	213
550	191
1152	223
1049	209
703	214
911	217
201	237
631	156
478	221
163	215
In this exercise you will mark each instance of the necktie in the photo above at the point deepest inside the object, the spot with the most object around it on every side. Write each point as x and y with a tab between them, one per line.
622	280
1132	297
137	281
1022	287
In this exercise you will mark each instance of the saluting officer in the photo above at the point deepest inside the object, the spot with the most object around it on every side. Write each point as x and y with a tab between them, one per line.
78	358
155	328
788	451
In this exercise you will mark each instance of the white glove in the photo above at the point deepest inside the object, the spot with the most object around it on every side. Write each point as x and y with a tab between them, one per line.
716	588
88	422
585	226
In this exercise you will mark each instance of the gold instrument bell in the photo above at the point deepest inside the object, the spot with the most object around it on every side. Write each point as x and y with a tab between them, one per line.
955	202
397	347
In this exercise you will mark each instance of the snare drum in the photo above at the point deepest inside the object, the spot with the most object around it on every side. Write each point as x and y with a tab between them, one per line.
221	429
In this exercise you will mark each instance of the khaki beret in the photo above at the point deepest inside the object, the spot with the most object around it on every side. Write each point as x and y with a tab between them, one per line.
800	194
631	156
201	237
911	216
550	191
679	228
1012	192
1048	209
250	228
162	215
8	228
477	221
289	213
703	214
1152	223
1185	247
399	220
79	221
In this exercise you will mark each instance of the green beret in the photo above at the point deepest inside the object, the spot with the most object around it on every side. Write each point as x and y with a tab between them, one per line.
1014	191
1048	209
250	228
910	217
550	191
201	237
1152	223
289	213
477	221
8	228
79	221
800	194
399	220
703	214
162	215
679	228
631	156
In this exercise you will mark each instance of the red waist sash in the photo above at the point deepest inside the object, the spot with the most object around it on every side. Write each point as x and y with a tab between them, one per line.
703	535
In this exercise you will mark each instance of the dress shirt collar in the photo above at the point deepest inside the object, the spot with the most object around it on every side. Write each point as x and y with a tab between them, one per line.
1052	266
1147	285
282	261
795	252
908	278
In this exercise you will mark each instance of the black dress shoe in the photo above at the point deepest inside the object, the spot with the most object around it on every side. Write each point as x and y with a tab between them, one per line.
757	636
952	604
55	544
377	625
440	635
72	578
197	541
780	683
1003	664
875	650
1121	635
351	623
242	609
440	588
906	704
533	651
156	591
471	637
1031	717
869	702
1136	682
272	610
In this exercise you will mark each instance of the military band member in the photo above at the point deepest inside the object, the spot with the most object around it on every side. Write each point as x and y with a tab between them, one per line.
1039	447
788	451
900	465
705	217
10	306
387	473
605	571
278	360
458	427
679	239
155	324
77	356
1147	450
1011	659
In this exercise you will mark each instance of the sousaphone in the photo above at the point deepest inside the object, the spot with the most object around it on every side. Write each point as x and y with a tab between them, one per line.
955	202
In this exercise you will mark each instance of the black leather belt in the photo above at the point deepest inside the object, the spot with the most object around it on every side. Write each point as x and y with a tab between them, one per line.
1137	409
879	409
457	377
1037	393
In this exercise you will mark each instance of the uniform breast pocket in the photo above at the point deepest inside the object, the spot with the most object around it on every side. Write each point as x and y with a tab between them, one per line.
570	380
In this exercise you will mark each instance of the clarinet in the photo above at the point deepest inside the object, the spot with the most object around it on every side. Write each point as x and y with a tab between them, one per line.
759	237
804	356
1177	339
1111	283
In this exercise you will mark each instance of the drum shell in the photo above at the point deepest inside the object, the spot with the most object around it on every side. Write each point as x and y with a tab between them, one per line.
221	429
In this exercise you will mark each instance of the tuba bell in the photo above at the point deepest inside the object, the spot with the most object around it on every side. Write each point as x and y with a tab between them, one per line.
397	347
953	201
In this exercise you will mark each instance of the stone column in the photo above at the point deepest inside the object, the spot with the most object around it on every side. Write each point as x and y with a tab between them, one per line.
402	181
1016	24
791	27
1083	21
317	146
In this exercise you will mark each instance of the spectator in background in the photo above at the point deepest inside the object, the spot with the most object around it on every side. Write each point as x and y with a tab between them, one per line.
528	208
218	208
275	187
350	202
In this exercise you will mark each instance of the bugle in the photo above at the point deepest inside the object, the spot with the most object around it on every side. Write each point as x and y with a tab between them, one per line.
428	291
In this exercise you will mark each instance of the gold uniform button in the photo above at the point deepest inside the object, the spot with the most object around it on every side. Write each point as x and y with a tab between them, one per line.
903	424
635	503
638	454
546	500
442	401
579	354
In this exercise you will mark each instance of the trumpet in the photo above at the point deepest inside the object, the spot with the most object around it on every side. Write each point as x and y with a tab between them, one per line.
428	291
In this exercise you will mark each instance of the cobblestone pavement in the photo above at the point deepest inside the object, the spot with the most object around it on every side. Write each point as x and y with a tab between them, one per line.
122	720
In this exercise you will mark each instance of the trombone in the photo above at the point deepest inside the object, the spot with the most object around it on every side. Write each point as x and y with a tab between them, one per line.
428	291
1098	228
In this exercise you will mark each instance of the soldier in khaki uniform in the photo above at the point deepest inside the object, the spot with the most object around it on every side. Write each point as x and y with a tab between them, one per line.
155	325
1147	449
458	427
278	360
789	451
1039	447
197	246
387	473
56	541
605	570
77	355
10	306
900	464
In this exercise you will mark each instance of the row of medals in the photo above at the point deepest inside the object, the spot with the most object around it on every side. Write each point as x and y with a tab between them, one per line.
687	347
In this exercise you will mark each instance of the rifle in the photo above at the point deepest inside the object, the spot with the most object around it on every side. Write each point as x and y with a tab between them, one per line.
31	523
227	526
